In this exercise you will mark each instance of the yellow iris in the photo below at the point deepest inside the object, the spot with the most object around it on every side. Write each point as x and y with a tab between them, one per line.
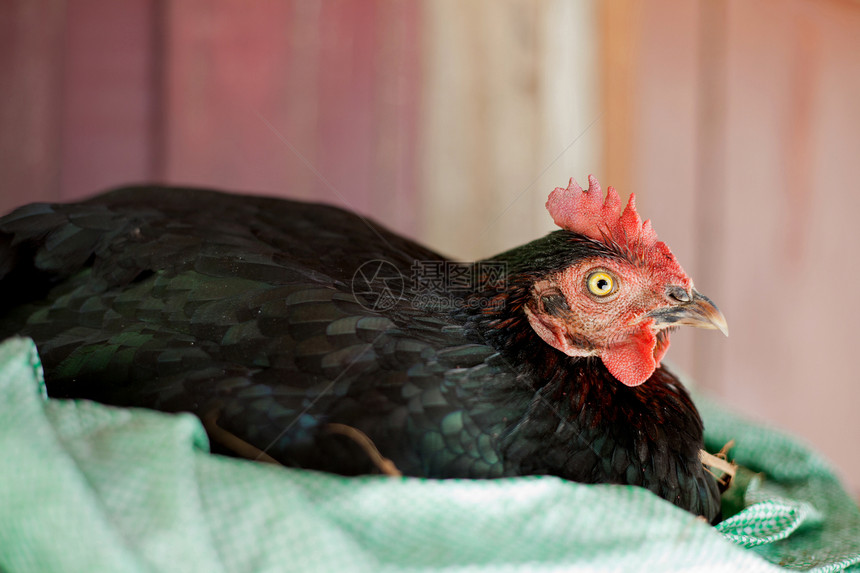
601	283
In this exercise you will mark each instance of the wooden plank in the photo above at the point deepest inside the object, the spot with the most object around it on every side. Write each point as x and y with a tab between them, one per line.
31	33
315	100
346	124
502	125
397	73
620	29
109	103
228	72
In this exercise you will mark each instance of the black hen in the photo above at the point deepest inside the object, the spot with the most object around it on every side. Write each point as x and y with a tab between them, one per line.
282	323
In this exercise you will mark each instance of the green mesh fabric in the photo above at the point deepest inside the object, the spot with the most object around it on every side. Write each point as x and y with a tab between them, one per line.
795	512
85	487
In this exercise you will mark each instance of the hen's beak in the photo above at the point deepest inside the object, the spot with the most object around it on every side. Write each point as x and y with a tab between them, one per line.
697	311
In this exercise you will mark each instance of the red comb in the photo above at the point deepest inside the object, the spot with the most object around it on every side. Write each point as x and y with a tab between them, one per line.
587	213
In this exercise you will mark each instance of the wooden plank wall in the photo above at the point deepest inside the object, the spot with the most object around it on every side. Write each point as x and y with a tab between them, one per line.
510	110
31	36
316	100
107	100
308	99
745	134
431	116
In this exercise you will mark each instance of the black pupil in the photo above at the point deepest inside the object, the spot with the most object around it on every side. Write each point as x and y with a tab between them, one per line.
602	284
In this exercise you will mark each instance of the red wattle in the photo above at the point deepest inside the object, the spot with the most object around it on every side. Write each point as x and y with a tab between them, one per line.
632	362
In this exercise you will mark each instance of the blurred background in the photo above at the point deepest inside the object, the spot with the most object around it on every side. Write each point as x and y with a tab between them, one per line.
736	123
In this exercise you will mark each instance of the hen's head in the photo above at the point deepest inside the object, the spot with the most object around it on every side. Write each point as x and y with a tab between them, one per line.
621	295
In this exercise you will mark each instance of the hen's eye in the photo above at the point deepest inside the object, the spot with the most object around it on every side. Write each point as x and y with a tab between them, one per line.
601	283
